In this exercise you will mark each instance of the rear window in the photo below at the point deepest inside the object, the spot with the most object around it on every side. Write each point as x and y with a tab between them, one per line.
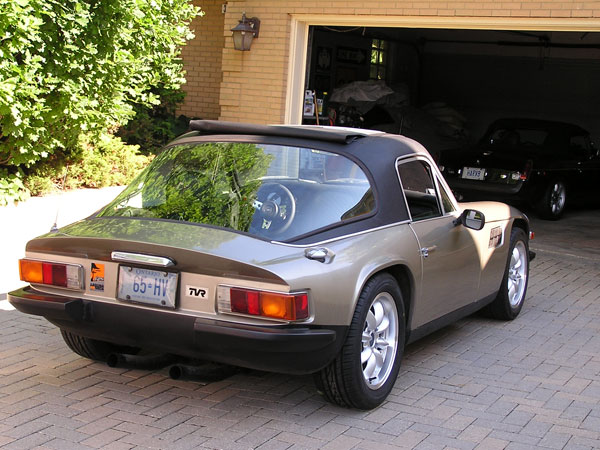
270	191
516	137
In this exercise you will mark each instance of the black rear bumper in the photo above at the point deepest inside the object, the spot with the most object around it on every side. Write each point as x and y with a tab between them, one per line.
294	349
473	189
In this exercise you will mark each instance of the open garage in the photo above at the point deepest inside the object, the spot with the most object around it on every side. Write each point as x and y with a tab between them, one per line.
475	75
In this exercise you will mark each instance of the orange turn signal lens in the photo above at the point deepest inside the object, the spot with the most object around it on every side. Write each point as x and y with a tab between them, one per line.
69	276
31	271
266	304
276	305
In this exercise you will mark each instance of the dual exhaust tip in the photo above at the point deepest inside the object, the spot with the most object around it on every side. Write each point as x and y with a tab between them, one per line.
198	370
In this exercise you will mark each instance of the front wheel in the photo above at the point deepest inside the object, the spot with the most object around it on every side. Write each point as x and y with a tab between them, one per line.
509	301
365	371
552	204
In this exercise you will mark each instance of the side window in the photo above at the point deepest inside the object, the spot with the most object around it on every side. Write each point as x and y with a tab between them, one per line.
419	189
446	203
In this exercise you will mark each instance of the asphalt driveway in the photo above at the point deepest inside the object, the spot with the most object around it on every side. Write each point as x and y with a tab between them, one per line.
479	383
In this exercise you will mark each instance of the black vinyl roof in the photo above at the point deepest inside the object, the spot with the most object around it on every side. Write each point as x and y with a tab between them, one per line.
375	152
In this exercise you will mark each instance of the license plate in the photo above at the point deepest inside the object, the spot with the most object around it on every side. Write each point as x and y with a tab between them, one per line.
473	173
151	287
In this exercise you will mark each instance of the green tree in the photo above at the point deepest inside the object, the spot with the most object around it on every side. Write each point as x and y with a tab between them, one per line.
77	67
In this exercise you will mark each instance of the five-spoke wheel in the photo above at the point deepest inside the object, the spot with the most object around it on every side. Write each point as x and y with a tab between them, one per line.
509	301
552	204
379	340
364	372
517	274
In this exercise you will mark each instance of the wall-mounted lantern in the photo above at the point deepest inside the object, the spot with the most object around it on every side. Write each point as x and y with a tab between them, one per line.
244	32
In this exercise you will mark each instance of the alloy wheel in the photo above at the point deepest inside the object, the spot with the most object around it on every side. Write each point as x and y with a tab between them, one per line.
379	340
517	274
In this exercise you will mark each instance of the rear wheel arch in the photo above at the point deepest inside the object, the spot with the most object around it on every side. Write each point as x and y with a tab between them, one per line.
522	224
406	283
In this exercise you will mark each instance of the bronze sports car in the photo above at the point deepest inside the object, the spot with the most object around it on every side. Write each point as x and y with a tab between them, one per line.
281	248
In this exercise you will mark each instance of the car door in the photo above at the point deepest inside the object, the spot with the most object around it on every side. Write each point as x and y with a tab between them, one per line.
450	263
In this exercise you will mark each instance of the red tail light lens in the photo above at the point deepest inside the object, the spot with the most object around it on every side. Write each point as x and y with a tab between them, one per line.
69	276
526	170
263	303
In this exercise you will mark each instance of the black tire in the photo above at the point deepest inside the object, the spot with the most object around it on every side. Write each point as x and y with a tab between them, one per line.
88	348
551	205
344	382
508	303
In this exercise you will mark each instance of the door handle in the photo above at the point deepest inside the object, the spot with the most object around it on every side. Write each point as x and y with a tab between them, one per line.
425	251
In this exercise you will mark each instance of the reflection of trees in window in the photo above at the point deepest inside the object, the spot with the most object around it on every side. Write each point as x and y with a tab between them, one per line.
212	183
378	59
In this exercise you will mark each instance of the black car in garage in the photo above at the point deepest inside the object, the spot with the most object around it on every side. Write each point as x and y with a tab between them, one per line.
528	161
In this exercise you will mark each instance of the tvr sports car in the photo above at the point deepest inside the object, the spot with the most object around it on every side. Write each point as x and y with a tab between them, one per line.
282	248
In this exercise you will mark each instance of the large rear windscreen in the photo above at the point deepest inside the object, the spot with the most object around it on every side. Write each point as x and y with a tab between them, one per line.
270	191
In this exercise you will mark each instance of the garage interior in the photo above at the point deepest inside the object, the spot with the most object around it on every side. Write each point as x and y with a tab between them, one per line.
449	85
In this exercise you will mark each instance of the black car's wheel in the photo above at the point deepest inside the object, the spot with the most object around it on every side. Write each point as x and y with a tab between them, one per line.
509	300
365	371
88	348
552	204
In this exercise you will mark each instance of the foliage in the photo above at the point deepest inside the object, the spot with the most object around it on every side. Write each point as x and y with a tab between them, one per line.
107	162
154	126
11	187
211	183
74	67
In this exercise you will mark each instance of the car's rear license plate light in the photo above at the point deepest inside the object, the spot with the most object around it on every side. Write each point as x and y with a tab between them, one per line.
69	276
266	304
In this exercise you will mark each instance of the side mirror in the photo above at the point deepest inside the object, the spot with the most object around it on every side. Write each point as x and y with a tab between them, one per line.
471	218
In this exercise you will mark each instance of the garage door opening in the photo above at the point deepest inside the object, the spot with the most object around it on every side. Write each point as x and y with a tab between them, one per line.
443	87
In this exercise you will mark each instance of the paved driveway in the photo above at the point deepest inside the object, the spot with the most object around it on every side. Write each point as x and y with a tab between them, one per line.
480	383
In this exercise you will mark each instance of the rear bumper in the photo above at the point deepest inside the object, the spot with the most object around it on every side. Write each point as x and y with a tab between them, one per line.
295	349
480	190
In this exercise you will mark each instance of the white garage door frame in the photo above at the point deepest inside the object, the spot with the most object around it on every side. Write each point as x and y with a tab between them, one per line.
300	24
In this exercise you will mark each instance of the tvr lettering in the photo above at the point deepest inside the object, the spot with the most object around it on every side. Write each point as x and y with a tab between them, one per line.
196	292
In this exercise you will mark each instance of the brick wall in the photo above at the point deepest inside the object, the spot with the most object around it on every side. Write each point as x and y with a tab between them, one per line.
253	86
202	61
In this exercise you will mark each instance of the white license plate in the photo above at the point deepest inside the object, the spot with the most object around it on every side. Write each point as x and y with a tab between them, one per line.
152	287
473	173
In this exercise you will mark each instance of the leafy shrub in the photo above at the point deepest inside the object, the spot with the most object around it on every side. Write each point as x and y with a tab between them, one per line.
106	162
12	188
75	67
154	126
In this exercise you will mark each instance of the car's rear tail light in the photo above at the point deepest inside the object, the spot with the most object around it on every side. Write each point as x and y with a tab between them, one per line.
527	170
263	303
68	276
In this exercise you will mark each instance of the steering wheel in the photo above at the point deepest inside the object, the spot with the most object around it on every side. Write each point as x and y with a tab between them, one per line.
276	207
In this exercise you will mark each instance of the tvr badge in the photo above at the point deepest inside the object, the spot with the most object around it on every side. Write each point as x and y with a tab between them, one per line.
196	292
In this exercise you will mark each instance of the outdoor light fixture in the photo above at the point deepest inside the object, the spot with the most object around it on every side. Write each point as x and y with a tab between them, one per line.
244	32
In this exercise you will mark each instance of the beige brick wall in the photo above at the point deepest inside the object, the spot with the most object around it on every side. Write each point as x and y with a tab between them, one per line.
253	86
202	61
